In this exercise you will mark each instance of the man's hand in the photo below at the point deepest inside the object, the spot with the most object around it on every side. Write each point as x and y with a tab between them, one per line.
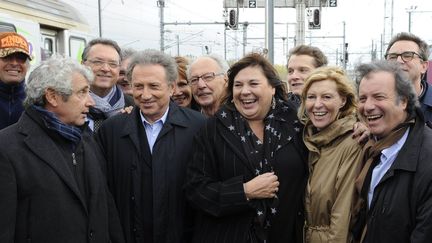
126	110
361	132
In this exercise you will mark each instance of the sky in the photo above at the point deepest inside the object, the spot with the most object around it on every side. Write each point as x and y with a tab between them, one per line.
135	24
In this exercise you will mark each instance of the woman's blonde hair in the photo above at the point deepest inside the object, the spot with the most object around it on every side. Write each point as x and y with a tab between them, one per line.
344	87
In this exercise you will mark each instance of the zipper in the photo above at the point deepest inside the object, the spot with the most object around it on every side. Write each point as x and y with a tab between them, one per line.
74	159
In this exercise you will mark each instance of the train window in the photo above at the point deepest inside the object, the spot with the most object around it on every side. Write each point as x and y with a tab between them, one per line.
7	27
49	43
48	49
76	47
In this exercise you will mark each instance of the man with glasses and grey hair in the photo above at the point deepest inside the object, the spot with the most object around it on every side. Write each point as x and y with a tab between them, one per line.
412	54
208	77
103	56
147	152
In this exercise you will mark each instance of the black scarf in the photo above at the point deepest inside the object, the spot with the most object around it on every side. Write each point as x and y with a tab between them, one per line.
259	154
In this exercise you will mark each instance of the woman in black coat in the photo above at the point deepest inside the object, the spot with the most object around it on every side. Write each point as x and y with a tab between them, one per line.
248	173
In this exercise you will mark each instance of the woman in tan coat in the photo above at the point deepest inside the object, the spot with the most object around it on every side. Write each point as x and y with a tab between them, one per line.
328	111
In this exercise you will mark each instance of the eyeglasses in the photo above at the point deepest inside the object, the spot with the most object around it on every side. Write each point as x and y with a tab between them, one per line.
100	63
206	77
406	56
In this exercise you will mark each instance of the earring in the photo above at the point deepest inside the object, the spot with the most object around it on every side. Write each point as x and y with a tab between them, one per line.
273	103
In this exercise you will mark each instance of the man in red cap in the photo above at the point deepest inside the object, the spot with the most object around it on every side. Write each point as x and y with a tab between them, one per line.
14	63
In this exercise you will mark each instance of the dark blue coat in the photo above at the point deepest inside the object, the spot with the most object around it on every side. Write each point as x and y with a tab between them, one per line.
426	101
11	103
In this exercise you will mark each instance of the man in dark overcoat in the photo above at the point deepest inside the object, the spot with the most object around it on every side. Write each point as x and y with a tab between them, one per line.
147	152
52	186
395	181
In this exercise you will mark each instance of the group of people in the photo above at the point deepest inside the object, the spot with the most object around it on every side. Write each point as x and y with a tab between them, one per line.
138	146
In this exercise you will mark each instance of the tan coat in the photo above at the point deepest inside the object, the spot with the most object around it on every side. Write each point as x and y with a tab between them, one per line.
333	161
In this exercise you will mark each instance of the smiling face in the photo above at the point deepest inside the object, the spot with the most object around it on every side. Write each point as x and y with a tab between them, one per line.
207	94
323	103
13	68
182	94
252	93
151	90
299	68
379	104
99	58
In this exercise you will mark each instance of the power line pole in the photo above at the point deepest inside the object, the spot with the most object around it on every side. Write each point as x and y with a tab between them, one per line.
161	5
300	30
344	48
225	47
410	11
270	30
178	45
100	17
245	25
388	13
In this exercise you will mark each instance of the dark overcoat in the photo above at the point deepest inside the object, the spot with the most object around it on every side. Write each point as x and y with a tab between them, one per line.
120	140
401	208
215	184
40	201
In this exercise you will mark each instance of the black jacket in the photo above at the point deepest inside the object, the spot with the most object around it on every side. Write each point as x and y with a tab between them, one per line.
125	146
215	184
401	208
41	200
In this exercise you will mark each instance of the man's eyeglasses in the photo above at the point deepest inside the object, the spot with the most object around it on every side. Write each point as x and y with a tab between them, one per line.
406	56
100	63
206	77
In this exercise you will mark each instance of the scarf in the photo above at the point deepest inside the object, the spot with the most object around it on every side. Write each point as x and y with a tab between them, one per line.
104	109
260	154
337	128
372	152
70	133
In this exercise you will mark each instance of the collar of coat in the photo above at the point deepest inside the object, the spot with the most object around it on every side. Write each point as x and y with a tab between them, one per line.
175	118
408	157
324	137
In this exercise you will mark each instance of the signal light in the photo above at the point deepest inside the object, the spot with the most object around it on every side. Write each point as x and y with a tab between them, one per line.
232	19
316	18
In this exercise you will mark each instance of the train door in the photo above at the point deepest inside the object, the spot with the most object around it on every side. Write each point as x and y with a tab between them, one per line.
49	43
